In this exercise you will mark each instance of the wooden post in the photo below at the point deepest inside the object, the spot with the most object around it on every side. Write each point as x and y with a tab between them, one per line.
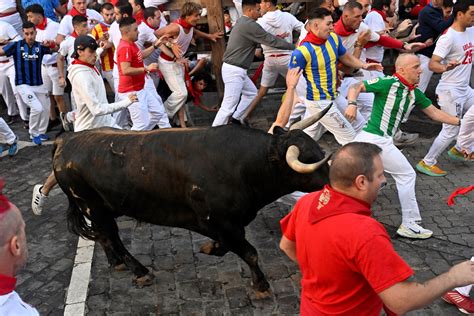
215	20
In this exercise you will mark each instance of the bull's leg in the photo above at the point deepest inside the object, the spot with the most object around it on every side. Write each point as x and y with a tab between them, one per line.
237	243
214	248
108	227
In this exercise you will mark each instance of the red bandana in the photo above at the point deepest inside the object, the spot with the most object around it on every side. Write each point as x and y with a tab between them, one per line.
313	39
80	62
153	28
183	23
74	34
74	12
7	284
196	94
458	192
332	202
341	30
403	80
4	203
43	24
384	16
139	17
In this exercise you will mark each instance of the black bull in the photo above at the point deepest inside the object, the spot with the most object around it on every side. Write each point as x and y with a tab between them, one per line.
212	181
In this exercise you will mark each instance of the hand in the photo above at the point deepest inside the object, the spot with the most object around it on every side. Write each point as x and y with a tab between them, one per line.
414	47
183	61
462	274
351	113
177	51
404	25
102	44
452	64
293	76
133	97
373	66
62	82
364	38
152	67
413	34
162	40
215	36
258	53
283	35
467	155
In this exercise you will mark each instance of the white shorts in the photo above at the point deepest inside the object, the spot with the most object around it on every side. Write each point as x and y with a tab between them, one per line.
272	67
50	75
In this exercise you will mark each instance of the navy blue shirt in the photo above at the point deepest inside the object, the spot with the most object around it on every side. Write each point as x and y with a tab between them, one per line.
431	25
27	61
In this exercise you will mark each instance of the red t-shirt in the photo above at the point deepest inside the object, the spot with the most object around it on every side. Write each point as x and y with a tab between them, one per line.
130	52
345	256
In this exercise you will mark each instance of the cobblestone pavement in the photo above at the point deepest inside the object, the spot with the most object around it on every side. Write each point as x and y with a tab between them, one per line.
190	283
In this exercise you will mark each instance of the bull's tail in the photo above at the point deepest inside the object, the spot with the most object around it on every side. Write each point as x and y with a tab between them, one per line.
78	221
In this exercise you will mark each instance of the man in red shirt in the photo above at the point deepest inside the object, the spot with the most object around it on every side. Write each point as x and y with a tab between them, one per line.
148	111
348	264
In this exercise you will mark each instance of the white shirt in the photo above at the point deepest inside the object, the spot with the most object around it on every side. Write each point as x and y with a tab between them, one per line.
154	3
7	4
376	23
66	48
114	37
66	28
454	45
146	34
277	23
12	305
7	32
349	41
48	34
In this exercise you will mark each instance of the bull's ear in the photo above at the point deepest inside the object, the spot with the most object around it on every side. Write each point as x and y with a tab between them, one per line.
277	130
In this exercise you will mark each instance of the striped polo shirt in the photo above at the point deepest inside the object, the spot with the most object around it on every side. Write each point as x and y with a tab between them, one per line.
391	103
27	61
106	60
319	63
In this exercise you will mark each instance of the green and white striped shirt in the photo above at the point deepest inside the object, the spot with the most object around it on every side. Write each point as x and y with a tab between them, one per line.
391	103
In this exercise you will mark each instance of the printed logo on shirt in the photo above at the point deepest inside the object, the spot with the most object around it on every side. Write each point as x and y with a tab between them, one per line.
324	198
467	59
372	81
294	61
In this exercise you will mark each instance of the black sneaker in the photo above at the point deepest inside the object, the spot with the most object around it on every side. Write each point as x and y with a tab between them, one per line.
26	124
10	119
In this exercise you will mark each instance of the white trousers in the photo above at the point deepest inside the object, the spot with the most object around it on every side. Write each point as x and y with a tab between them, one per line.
37	99
455	102
174	77
465	289
7	86
237	86
272	68
157	102
396	164
334	121
121	117
426	73
145	113
50	75
466	132
6	134
15	21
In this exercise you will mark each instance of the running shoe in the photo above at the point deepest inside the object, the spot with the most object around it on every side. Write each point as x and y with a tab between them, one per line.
433	170
414	231
464	303
36	140
44	137
13	149
37	201
455	154
403	139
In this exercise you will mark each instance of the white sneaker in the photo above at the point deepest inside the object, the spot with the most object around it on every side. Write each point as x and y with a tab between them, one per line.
402	139
413	230
37	201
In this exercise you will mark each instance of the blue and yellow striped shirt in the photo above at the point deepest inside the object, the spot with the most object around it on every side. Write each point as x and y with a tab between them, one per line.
319	63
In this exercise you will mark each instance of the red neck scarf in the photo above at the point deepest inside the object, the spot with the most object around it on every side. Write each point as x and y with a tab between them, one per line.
332	202
405	83
183	23
74	12
7	284
74	34
153	28
43	24
140	17
458	192
80	62
313	39
384	16
195	93
341	30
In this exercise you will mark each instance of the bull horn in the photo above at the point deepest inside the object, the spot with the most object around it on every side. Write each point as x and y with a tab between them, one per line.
292	155
307	122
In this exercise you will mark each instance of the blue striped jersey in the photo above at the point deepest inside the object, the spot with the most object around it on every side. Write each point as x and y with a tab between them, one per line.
319	63
27	61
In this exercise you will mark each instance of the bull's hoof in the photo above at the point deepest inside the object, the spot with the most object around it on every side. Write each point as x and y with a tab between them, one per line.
262	288
145	280
262	295
207	247
213	248
120	267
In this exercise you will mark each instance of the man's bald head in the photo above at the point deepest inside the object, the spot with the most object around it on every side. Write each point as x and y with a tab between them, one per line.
404	60
408	66
10	223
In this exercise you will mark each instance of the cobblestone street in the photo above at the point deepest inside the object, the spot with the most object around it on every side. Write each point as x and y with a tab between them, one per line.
190	283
